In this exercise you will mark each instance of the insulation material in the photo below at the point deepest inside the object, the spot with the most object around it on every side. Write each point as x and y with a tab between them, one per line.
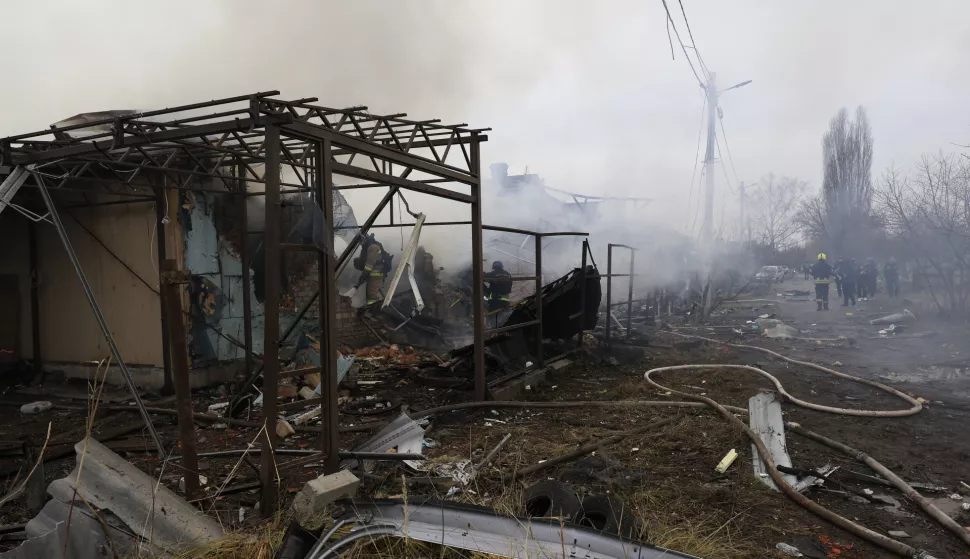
764	417
407	263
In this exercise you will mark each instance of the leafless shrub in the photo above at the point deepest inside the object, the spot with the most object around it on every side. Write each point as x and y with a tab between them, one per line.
928	212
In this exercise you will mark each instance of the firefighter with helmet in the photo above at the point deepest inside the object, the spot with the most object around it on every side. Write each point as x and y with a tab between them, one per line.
498	286
822	272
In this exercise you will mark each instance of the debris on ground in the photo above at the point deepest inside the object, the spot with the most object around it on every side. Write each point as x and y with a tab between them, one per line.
895	318
765	419
106	488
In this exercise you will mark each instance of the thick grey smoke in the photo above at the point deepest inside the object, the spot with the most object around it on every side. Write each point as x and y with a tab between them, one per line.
584	94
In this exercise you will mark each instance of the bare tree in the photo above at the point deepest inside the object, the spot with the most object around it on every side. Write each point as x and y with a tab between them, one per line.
843	210
928	212
774	209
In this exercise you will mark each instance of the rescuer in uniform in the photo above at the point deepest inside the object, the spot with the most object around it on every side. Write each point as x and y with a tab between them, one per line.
822	272
373	270
498	286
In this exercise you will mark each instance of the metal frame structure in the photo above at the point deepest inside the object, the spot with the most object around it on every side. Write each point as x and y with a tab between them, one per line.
480	385
252	139
609	290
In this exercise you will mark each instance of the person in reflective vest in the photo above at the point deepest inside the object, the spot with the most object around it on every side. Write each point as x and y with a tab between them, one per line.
498	286
822	272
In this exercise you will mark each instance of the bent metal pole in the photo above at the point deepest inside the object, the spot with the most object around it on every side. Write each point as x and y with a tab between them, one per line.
115	352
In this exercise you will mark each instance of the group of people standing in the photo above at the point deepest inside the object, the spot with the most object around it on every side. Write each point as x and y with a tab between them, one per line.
853	281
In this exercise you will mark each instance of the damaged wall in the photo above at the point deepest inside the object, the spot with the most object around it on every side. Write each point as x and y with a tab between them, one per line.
212	233
350	330
68	329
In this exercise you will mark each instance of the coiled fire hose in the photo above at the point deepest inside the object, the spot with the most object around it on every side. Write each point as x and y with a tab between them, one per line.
906	489
916	405
865	533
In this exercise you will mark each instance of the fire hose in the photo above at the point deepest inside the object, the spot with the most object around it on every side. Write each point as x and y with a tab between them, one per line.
865	533
916	407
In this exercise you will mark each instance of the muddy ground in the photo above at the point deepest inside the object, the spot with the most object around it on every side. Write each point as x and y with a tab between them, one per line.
668	476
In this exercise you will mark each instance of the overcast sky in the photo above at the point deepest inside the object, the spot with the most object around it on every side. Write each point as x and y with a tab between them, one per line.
583	93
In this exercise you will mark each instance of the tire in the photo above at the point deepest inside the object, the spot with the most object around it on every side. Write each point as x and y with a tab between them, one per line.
550	498
607	514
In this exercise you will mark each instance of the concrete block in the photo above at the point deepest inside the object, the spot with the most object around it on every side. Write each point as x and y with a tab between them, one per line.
310	504
284	429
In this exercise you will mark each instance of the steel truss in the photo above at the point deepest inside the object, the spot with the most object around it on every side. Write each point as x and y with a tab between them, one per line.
285	146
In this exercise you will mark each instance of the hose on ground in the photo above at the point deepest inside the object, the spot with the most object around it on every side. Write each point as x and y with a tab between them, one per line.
915	408
912	494
566	404
869	535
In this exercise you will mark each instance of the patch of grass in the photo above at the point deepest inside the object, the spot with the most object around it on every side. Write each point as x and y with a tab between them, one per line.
251	543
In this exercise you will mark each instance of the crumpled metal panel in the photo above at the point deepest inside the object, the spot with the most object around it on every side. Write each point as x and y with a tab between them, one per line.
485	531
109	482
47	531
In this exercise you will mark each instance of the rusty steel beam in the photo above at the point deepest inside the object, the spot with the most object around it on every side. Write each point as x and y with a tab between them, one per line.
271	328
244	263
168	386
177	134
327	285
357	145
172	279
539	357
478	313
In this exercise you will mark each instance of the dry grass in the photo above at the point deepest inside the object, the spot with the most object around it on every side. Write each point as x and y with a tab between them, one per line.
252	543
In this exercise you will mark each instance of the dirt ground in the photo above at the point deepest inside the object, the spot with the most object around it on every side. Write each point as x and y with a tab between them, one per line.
667	477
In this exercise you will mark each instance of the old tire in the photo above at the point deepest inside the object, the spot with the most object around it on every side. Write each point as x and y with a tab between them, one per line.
607	514
550	498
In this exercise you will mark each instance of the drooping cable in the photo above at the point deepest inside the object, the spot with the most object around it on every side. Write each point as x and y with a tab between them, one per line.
677	34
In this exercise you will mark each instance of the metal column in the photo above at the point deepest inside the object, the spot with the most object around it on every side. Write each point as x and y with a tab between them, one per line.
327	286
271	329
102	323
478	309
35	301
540	358
244	262
171	292
629	300
609	292
582	296
160	238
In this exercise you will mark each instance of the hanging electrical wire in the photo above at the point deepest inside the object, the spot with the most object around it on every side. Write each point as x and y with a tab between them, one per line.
720	119
720	158
697	152
670	20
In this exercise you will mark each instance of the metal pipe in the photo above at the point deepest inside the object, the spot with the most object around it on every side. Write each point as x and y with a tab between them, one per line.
492	331
343	455
509	230
407	224
115	352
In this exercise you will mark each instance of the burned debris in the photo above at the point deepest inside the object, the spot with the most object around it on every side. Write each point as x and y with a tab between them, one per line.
289	358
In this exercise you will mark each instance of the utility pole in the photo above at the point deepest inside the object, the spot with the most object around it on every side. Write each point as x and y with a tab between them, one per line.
707	231
744	222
